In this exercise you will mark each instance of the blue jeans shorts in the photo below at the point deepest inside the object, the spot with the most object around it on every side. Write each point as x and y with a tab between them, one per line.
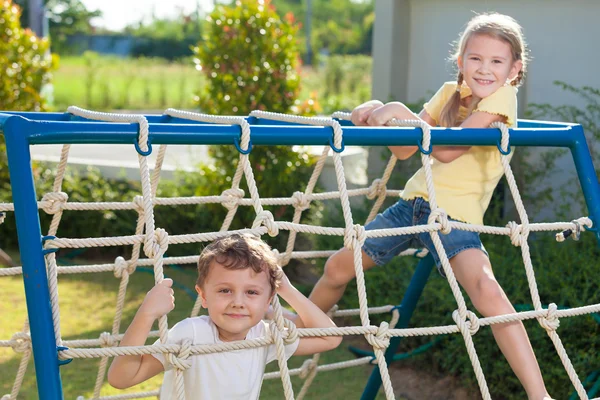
410	213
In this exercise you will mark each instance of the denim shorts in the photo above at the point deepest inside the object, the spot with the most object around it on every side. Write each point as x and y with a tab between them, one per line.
410	213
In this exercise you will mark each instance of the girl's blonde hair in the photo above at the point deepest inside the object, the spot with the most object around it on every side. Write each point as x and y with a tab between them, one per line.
495	25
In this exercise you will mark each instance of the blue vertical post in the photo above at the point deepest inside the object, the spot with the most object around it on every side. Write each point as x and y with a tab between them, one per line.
408	305
587	177
34	269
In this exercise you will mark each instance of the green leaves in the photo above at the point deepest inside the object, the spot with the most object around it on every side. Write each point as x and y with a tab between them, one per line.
27	61
250	58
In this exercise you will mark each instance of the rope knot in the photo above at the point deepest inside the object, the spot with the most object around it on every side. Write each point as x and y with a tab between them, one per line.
182	360
550	322
156	245
470	323
308	366
232	198
301	201
292	332
377	188
20	342
122	265
518	233
290	335
138	203
54	202
355	237
266	218
108	340
439	216
381	339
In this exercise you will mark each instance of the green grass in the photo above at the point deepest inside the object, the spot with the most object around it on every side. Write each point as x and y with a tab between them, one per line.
111	83
124	83
87	303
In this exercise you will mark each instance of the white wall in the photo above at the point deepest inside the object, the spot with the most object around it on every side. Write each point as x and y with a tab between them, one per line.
563	38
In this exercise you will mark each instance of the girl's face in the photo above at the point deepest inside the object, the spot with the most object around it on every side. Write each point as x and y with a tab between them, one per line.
487	65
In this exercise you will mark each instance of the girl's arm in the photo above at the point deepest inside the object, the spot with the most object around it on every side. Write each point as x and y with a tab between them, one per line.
445	154
127	371
311	316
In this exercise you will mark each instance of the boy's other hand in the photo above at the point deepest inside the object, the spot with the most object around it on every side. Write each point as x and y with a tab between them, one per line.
160	300
284	283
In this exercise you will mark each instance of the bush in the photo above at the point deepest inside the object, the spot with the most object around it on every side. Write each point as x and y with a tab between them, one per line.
27	61
27	66
250	58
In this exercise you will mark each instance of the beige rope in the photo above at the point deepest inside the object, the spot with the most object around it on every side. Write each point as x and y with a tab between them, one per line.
156	241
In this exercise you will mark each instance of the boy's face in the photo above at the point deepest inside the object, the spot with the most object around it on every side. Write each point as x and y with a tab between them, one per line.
236	300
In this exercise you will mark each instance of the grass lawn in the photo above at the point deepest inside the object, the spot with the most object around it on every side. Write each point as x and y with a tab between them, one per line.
124	83
87	303
112	83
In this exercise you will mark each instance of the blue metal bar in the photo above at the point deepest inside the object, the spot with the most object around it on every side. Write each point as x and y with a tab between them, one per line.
34	269
408	305
587	177
75	132
163	118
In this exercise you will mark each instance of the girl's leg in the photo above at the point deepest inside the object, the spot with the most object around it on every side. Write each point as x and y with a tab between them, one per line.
473	271
339	270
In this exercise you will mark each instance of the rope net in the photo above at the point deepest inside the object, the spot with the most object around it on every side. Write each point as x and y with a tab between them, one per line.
150	243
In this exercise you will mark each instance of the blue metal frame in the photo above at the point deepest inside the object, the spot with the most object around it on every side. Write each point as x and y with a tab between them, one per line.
23	129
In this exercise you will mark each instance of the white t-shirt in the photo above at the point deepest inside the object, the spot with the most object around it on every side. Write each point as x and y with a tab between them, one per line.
234	375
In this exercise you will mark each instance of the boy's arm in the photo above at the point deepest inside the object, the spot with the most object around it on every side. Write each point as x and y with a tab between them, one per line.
127	371
311	317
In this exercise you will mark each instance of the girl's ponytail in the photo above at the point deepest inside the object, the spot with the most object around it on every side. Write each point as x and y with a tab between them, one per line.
449	113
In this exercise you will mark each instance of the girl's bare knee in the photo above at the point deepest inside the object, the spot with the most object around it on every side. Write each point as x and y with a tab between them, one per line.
339	268
490	299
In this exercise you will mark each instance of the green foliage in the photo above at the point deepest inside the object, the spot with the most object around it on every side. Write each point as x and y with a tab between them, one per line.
250	58
346	82
27	68
167	38
340	26
588	116
26	62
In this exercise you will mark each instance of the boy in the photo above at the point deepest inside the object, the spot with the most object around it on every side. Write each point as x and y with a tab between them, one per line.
237	278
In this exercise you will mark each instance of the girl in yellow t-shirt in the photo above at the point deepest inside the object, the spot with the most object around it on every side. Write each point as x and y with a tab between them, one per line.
491	64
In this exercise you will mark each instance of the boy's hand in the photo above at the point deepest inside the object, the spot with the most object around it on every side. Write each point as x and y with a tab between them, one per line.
284	285
159	300
361	114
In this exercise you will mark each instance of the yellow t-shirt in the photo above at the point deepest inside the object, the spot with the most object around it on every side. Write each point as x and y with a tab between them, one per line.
464	186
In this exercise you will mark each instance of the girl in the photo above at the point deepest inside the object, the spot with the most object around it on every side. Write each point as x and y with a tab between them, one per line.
491	63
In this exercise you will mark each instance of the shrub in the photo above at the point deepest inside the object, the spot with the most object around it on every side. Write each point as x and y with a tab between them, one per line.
27	60
250	58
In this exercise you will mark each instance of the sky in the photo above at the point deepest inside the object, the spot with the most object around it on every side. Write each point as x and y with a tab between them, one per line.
117	14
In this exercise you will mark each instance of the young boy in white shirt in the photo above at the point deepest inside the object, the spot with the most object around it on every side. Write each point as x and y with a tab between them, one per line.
237	278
